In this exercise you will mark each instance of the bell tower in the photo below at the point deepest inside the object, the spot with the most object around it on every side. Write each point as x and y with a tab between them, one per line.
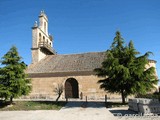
42	42
43	22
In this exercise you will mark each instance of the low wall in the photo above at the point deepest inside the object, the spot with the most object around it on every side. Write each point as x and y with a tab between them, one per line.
144	105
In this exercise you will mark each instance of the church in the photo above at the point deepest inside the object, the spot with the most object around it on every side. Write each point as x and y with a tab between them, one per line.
74	71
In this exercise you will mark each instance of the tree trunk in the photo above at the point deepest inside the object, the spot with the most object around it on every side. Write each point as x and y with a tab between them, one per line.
123	96
11	99
57	98
59	95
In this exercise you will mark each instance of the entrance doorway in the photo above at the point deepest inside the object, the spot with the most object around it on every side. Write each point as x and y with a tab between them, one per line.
71	88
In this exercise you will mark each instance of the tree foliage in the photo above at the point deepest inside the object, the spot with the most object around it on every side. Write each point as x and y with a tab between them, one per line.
124	70
13	80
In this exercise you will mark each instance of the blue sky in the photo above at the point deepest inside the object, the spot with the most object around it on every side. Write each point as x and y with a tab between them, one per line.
82	25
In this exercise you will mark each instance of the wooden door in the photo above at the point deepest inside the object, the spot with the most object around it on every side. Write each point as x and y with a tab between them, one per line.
71	88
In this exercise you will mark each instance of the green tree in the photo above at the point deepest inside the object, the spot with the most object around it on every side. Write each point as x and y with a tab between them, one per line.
13	80
124	70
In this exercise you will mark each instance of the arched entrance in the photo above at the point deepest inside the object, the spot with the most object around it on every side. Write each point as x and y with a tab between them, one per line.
71	88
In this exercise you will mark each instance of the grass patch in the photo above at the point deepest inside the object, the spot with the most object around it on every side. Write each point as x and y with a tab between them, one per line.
31	105
115	104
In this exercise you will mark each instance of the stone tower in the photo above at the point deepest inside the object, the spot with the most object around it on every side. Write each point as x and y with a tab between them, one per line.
42	42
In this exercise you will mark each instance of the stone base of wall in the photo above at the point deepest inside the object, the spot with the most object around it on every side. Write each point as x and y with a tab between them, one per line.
113	97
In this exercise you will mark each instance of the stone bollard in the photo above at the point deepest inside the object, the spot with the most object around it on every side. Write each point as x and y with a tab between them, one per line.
66	99
81	95
105	99
86	98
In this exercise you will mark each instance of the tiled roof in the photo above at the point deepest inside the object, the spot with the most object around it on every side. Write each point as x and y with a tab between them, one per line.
68	63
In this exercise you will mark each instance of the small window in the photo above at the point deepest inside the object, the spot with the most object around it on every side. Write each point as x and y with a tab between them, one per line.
40	40
43	39
44	26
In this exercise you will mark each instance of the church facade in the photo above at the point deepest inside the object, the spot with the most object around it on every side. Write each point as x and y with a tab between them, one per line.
73	71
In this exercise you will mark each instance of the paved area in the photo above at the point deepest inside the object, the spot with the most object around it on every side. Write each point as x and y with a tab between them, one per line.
123	113
76	111
89	111
72	111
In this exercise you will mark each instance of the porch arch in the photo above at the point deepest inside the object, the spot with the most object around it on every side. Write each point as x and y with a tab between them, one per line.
71	88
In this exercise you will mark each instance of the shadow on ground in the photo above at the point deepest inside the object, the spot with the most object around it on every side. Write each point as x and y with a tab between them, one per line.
120	112
3	104
83	104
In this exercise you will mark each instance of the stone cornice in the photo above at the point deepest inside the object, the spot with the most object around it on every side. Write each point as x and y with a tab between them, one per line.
61	74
